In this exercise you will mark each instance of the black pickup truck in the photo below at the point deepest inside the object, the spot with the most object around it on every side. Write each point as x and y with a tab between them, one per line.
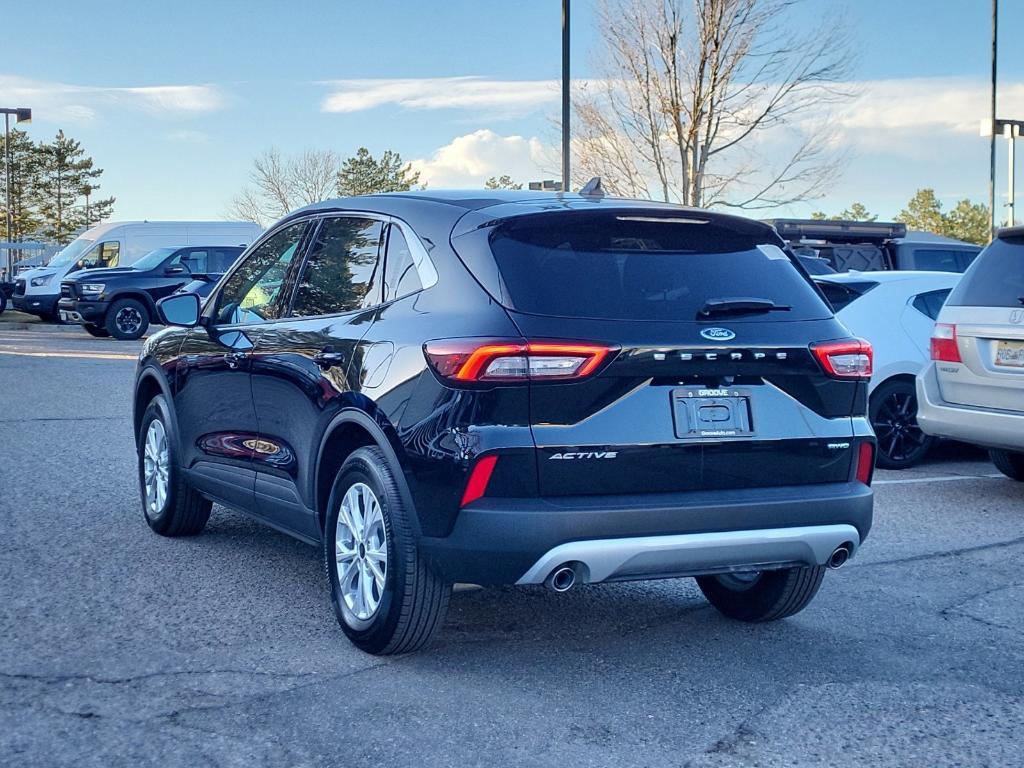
871	246
121	301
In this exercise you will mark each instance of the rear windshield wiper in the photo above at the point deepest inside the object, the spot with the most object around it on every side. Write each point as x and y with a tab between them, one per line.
740	305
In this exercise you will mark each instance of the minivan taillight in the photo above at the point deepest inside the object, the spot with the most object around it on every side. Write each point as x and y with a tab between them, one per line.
499	360
845	359
943	346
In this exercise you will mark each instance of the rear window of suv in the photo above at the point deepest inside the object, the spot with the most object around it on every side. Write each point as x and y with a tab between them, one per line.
633	266
995	279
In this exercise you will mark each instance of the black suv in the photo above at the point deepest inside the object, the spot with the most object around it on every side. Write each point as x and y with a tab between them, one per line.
121	301
515	388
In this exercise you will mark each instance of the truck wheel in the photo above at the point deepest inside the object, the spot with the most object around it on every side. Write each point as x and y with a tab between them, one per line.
3	302
127	319
170	505
762	595
95	330
1010	463
893	415
385	597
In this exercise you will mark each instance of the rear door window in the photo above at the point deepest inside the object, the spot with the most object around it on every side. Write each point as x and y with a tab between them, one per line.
995	279
930	303
340	274
400	275
632	266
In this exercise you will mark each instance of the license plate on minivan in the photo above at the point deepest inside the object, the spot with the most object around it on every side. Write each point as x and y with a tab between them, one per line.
711	412
1010	354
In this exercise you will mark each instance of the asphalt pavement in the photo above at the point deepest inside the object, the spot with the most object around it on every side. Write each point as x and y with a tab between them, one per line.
122	648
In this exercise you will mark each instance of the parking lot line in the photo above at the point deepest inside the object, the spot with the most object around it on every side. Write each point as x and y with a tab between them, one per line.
937	479
82	354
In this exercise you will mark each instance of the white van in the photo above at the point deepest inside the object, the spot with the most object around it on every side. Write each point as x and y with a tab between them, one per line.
119	244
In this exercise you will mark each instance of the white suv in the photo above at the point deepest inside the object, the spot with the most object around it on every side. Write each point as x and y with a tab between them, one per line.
973	390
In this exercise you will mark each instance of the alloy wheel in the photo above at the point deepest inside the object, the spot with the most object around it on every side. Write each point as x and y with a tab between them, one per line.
156	467
361	550
896	428
128	320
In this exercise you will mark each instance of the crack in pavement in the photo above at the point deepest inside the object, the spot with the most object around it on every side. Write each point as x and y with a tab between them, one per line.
944	553
53	679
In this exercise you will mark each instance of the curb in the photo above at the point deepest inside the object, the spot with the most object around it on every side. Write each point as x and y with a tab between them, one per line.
15	325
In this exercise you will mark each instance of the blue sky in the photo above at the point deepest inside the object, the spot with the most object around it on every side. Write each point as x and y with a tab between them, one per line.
174	100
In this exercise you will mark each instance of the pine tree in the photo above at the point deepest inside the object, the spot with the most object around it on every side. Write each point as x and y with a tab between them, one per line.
365	175
24	180
64	172
501	182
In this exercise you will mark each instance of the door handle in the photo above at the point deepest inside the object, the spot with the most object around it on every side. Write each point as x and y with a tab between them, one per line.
329	358
234	359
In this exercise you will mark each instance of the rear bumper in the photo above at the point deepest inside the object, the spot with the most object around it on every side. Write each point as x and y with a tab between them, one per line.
509	541
41	304
982	426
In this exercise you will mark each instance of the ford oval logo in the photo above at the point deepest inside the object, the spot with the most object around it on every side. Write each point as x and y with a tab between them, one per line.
717	334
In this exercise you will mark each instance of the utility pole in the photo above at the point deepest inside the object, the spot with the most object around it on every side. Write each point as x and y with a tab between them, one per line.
992	115
566	177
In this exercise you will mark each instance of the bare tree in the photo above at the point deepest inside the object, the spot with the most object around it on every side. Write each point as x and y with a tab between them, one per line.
280	184
690	90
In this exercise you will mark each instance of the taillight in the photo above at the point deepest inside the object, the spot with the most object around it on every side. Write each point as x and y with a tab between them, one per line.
479	477
490	360
865	462
846	359
943	346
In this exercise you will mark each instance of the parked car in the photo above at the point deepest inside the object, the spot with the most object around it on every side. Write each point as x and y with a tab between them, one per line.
896	312
973	389
868	246
6	293
121	301
113	244
515	388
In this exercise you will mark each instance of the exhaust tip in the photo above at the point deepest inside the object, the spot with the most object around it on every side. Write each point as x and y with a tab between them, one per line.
839	558
562	579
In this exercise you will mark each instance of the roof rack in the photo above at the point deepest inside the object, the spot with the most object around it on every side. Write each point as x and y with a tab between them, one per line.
837	231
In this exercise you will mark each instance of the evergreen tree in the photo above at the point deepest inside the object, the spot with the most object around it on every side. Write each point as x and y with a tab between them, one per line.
501	182
924	212
968	221
363	174
24	180
64	172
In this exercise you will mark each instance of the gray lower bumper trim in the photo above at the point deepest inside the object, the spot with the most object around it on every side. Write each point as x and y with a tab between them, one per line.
696	553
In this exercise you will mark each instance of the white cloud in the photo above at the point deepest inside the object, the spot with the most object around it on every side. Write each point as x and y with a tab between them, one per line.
513	96
81	103
469	160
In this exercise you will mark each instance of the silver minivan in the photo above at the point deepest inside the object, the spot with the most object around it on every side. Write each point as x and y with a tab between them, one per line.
973	389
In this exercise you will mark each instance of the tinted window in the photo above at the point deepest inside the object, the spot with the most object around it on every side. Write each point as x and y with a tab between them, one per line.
258	289
995	279
930	303
340	272
401	276
204	261
638	267
936	260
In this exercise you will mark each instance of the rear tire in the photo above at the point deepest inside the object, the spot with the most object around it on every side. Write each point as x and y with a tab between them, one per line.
771	595
178	510
1010	463
402	611
3	302
95	330
893	415
127	319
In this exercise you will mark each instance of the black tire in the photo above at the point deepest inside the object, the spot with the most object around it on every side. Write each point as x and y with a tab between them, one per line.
414	601
95	330
1010	463
55	318
893	415
3	302
127	319
184	511
771	595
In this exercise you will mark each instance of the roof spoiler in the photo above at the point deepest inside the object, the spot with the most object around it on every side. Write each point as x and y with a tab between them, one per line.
836	231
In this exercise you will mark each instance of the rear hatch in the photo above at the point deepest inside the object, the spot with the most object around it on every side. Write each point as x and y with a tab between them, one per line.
711	383
987	311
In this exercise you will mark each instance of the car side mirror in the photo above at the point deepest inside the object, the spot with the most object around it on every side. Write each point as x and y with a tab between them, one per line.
180	309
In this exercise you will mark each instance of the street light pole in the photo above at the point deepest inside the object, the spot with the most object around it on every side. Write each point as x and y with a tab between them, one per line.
992	115
566	183
21	115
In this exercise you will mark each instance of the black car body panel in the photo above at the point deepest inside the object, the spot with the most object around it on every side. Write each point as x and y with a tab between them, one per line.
269	402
